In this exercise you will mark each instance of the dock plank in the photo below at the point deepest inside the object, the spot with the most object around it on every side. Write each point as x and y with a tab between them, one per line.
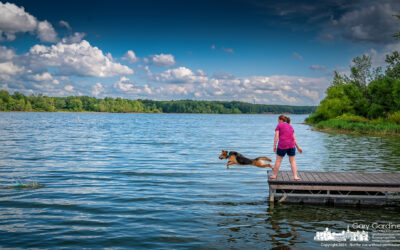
363	178
310	176
339	188
352	177
388	177
345	178
287	176
323	177
333	177
377	178
302	176
347	188
340	178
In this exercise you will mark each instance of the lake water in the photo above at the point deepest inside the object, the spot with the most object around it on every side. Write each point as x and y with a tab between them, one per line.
155	181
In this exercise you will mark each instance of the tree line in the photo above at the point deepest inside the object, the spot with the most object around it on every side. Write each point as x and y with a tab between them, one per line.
42	103
367	94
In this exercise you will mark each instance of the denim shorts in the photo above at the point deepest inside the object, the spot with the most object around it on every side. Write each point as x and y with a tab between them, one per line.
288	151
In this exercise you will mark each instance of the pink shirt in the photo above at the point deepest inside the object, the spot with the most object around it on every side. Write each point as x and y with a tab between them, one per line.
286	138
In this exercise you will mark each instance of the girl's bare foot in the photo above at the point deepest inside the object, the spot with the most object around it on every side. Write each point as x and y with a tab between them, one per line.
297	178
272	177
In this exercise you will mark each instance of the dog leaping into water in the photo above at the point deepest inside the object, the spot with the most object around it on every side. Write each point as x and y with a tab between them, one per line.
236	158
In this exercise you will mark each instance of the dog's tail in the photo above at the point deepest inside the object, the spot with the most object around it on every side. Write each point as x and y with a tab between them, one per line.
263	158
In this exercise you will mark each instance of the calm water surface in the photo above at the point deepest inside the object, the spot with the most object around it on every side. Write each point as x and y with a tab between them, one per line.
155	181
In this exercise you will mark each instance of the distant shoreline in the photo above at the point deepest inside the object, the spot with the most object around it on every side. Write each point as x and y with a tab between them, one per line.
84	104
94	112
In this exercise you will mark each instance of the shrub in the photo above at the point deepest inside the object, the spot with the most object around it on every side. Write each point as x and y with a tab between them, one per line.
395	117
352	118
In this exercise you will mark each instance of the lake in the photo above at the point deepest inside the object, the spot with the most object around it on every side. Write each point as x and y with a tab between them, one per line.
155	181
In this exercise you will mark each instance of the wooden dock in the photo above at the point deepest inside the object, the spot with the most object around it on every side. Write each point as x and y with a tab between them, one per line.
336	188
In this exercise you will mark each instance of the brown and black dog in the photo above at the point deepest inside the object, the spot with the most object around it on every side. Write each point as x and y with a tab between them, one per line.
236	158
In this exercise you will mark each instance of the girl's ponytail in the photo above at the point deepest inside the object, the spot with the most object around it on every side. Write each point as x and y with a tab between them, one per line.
284	118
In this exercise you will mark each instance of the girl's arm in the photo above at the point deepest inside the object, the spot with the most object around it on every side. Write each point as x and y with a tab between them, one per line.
276	139
297	145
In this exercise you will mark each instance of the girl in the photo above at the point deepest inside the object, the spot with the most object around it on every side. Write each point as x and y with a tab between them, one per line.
287	142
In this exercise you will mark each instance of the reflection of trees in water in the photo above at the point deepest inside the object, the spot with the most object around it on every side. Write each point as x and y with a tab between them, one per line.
361	153
305	220
283	226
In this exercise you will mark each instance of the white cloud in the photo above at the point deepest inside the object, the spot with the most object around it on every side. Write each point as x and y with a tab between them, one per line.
8	68
69	88
46	76
130	56
98	88
77	59
181	75
126	86
46	32
65	24
14	19
6	54
75	38
163	60
276	89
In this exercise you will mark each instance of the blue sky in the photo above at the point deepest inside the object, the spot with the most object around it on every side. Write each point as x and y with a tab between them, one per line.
255	51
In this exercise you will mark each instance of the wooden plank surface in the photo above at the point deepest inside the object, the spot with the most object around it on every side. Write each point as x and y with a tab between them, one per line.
338	178
336	188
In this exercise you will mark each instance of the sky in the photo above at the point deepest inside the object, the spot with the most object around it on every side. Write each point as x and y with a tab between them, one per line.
270	52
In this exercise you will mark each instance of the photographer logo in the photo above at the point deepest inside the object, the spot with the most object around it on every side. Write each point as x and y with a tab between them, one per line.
328	235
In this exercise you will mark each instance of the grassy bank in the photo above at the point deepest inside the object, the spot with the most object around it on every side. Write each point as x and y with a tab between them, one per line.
359	125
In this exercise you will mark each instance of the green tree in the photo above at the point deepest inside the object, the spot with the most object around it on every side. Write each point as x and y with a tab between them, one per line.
393	68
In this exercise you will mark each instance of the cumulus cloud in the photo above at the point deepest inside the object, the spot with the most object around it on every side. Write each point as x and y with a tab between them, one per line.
181	75
187	84
46	76
126	86
163	60
6	54
74	38
80	59
130	56
8	68
69	88
46	32
14	19
98	88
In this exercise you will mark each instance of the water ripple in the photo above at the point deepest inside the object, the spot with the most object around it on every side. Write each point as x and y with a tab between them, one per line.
155	181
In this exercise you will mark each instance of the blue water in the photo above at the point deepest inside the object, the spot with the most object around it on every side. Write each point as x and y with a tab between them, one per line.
155	181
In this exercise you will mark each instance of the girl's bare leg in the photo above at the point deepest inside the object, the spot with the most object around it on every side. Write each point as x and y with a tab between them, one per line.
292	160
277	165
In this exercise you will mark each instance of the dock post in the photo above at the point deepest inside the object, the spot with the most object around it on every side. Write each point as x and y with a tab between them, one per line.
271	195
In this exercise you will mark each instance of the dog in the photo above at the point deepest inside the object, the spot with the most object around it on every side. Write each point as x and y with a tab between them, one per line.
236	158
